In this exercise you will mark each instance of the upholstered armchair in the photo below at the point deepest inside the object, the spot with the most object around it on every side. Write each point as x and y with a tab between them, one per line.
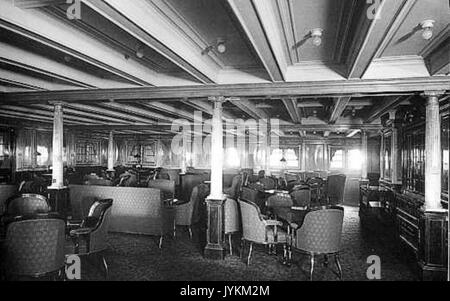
99	182
334	189
279	204
34	246
301	197
27	204
234	189
187	214
320	234
268	183
232	220
257	229
167	188
93	231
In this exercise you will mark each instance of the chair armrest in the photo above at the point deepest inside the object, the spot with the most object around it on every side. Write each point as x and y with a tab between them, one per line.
74	222
80	231
271	222
294	226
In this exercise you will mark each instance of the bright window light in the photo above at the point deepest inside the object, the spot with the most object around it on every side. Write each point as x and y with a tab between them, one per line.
337	161
232	157
355	159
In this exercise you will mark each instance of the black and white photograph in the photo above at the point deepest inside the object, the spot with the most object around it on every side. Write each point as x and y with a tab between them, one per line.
224	147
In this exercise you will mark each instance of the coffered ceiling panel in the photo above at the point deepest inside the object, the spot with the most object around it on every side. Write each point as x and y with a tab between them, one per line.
408	39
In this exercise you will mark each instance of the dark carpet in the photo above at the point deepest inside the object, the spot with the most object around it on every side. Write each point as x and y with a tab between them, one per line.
138	258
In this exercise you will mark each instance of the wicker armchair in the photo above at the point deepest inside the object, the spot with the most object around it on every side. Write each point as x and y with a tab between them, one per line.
320	234
34	246
93	231
301	197
278	204
27	204
257	229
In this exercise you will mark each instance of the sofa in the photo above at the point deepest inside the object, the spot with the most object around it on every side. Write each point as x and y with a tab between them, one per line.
135	210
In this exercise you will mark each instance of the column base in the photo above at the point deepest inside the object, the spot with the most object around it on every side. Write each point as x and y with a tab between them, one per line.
58	198
214	249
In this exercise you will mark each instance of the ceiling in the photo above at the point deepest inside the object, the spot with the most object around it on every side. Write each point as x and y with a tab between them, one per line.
120	44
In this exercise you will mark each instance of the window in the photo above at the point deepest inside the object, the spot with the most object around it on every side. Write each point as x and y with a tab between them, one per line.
445	153
232	157
87	153
289	156
336	158
355	159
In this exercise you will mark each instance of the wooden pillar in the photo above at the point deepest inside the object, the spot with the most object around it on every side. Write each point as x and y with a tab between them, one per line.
364	152
111	153
303	157
58	144
214	236
432	153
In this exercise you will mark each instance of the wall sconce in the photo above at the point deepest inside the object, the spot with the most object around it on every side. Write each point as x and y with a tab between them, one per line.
316	35
427	29
220	45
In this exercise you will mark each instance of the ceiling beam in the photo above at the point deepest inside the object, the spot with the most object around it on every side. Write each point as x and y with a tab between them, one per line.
59	34
249	108
245	12
31	82
291	106
126	24
353	133
329	127
137	111
387	104
338	108
407	86
436	53
152	18
164	107
374	35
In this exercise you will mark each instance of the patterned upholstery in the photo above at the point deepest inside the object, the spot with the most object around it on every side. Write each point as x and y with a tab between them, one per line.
258	230
167	187
6	192
188	214
233	191
135	210
232	216
34	247
27	204
321	231
99	182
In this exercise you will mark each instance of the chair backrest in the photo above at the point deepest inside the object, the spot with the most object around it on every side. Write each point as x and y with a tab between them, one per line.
6	192
321	231
268	183
27	204
301	197
233	191
249	194
335	189
99	216
34	246
167	187
253	228
261	174
279	200
232	216
99	182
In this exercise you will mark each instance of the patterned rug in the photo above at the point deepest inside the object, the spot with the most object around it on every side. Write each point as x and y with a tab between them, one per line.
138	258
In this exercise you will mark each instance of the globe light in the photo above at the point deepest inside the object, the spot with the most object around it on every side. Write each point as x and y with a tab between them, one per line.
316	35
221	48
427	29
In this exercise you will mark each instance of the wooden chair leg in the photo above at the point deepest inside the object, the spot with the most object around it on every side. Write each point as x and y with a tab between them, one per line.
190	232
250	254
338	265
311	272
105	266
242	248
325	262
160	241
231	243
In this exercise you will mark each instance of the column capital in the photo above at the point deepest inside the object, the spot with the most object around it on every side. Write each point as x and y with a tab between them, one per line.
220	99
433	93
57	103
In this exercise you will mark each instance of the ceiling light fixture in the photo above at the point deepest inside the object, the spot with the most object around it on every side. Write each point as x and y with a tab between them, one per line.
220	46
140	51
427	29
316	35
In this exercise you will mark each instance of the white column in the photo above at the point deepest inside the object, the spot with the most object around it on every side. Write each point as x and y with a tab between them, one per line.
58	144
382	156
217	150
432	153
365	157
111	153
